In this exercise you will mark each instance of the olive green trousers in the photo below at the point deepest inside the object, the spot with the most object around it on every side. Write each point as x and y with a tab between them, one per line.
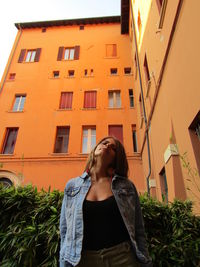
117	256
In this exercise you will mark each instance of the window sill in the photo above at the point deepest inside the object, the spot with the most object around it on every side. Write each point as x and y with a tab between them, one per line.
11	111
64	109
69	77
128	74
6	155
115	108
59	154
88	109
54	78
113	75
88	76
9	80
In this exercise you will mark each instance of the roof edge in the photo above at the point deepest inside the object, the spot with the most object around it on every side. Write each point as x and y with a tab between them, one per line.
67	22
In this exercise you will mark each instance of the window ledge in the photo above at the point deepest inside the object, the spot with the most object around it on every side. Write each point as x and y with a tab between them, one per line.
113	75
6	155
128	74
9	80
54	78
88	76
115	108
69	77
12	111
59	154
64	109
88	109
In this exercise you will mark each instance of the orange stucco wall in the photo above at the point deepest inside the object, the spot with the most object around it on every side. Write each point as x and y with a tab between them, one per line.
33	159
177	102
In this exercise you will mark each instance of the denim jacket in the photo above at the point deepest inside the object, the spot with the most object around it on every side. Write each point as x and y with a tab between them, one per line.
71	219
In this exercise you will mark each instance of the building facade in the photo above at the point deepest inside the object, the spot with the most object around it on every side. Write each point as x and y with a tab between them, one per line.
166	85
67	84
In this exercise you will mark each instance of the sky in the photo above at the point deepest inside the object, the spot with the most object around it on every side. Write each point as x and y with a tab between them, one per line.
13	11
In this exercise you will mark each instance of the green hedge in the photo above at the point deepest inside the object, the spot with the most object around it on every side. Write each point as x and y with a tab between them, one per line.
29	229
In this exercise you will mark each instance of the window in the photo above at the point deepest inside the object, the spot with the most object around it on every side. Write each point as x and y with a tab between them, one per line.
19	103
194	131
12	76
113	71
68	53
134	138
161	4
163	185
127	70
81	27
90	99
71	73
131	98
116	131
62	139
111	50
29	55
44	29
56	74
89	139
88	72
114	99
66	100
5	182
146	70
9	141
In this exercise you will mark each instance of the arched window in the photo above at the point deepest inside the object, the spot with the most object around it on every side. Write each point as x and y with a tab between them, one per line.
5	182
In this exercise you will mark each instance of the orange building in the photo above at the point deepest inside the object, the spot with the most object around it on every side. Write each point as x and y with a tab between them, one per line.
165	49
67	84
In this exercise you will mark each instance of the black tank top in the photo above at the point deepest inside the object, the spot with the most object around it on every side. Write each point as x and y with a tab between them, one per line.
103	224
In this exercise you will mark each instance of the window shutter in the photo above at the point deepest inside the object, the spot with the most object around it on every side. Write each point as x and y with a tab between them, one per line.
60	53
114	52
77	52
22	55
66	100
90	99
37	56
116	131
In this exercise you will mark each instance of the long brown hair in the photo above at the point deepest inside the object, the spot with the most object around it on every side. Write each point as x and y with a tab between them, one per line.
120	165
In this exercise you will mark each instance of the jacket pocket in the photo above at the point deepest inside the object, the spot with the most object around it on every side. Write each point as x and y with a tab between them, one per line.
73	191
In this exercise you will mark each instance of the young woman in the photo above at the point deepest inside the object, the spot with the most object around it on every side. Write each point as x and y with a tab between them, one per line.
101	222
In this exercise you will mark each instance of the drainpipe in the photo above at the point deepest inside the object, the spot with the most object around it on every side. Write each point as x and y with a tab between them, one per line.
143	105
9	63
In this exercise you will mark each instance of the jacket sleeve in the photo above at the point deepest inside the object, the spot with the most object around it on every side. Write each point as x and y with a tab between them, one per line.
63	222
140	232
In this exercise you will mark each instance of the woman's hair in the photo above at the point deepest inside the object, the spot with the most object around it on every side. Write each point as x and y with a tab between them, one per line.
120	164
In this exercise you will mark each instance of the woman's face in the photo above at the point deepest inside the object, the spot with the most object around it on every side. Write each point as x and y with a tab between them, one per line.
107	150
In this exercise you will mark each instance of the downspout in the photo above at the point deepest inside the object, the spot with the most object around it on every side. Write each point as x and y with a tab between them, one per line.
143	105
8	68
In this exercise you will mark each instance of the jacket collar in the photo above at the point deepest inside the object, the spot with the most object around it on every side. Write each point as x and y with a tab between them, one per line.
84	175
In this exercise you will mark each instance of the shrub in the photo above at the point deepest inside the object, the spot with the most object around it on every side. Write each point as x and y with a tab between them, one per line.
29	229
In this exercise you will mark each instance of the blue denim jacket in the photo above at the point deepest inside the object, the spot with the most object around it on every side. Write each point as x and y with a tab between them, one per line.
71	219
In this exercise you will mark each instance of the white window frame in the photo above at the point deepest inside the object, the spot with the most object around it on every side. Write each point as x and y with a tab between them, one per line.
69	53
20	105
87	132
30	56
113	97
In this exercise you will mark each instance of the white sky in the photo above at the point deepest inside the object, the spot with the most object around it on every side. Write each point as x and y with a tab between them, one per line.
13	11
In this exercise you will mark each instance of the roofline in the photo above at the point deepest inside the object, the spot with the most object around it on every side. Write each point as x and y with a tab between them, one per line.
68	22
